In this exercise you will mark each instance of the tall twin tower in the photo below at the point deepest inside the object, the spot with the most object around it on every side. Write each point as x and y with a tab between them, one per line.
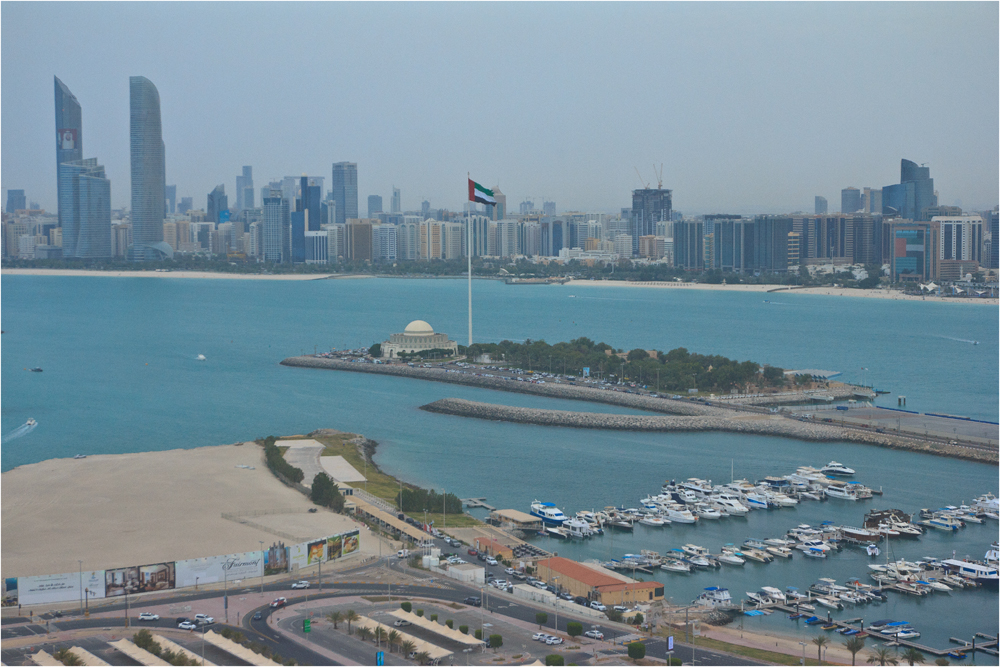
84	191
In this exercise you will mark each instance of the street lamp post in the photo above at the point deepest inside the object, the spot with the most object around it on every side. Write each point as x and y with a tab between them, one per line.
80	563
196	582
261	566
803	644
556	626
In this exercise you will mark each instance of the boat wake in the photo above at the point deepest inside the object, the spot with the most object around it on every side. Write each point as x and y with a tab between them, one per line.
959	340
22	430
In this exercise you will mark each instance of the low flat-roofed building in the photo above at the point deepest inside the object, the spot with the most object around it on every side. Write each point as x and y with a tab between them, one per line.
628	594
515	519
494	548
574	578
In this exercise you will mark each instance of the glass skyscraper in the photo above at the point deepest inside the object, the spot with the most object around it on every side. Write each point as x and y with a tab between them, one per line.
69	134
85	209
345	190
649	207
148	171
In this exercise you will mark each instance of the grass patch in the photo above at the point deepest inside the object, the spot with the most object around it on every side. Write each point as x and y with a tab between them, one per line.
453	520
757	654
382	598
283	449
379	484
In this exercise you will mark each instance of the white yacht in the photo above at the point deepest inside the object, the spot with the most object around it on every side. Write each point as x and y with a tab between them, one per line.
718	598
703	511
774	593
728	502
677	514
577	528
699	487
840	490
674	565
834	468
652	520
695	550
548	513
781	552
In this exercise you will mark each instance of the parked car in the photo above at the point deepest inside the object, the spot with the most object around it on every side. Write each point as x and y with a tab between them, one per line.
204	619
539	584
510	571
473	552
301	584
598	606
278	603
187	625
539	636
490	560
566	596
474	602
519	576
148	616
182	619
580	600
401	623
481	557
594	634
620	607
551	641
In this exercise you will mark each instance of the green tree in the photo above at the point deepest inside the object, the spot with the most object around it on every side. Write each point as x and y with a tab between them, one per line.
375	350
434	617
364	633
351	616
419	612
496	641
478	634
393	639
65	657
912	656
406	606
334	617
854	645
637	619
574	629
637	651
144	640
407	647
423	657
541	618
881	655
820	641
637	354
325	493
554	659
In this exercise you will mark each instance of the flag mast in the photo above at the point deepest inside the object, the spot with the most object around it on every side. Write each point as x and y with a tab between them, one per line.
468	252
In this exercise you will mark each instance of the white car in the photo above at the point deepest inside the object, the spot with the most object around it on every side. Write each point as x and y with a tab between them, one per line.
552	641
187	625
594	634
510	571
301	584
490	560
148	616
598	606
203	619
401	623
538	584
539	636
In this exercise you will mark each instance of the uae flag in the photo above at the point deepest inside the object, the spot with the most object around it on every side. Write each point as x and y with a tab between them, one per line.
478	193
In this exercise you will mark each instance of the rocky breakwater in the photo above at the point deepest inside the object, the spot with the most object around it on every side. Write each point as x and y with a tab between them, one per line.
550	389
723	421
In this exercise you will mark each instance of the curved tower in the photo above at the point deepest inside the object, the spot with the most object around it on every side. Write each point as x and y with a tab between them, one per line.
69	136
148	171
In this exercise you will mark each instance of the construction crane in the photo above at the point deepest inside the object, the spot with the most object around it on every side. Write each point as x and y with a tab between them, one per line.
659	176
645	186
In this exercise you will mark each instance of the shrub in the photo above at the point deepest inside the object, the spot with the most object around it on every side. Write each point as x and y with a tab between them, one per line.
574	629
420	612
65	657
541	618
496	641
637	650
464	629
434	617
637	620
450	623
554	659
406	606
478	634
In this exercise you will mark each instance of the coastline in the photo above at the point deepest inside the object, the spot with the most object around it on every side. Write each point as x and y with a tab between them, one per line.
171	274
780	290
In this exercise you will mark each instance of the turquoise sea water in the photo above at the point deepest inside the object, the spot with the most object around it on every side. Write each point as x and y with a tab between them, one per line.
120	374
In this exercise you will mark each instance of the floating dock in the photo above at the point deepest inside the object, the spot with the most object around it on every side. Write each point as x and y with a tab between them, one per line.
477	502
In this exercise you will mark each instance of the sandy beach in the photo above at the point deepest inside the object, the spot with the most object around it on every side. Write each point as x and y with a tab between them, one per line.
170	274
825	291
132	509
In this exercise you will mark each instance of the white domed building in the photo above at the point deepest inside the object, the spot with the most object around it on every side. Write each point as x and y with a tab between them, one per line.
418	337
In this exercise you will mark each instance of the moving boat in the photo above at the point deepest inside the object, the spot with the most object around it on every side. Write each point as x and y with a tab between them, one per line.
36	370
834	468
548	513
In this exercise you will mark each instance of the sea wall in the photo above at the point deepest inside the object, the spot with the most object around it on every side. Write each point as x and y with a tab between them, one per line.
550	389
728	423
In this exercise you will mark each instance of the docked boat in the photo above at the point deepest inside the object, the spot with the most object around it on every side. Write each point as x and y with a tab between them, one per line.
943	521
674	565
814	545
715	597
80	456
652	520
780	552
774	593
557	532
577	528
880	625
759	598
678	514
813	552
548	513
704	511
728	503
859	534
984	575
840	491
828	602
834	468
730	556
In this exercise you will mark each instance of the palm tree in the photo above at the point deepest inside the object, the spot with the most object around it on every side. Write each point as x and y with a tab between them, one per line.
335	617
913	656
393	639
351	616
364	633
423	657
854	645
820	642
882	656
380	634
407	647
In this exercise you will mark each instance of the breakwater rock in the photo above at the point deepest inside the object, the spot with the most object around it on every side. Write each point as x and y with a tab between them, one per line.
727	422
550	389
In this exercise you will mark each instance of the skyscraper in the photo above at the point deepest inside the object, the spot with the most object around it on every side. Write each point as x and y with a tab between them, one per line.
148	171
850	200
345	190
244	199
85	209
69	132
374	205
16	200
217	203
549	208
276	240
397	202
649	207
171	196
821	205
913	194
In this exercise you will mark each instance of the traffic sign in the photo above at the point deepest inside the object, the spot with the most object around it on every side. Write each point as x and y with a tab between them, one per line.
306	625
380	658
670	643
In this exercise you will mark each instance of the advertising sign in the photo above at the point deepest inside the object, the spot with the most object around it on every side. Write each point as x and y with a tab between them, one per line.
298	555
586	371
60	587
66	139
351	542
214	569
316	552
142	579
276	559
334	546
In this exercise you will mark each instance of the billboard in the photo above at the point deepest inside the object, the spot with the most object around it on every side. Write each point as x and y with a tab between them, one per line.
215	569
60	587
141	579
334	546
66	139
352	541
276	559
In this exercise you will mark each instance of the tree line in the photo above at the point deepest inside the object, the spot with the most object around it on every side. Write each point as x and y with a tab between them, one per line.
419	500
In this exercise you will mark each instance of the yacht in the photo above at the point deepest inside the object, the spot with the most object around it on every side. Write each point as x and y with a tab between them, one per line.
859	534
730	556
548	513
577	528
703	511
778	542
813	544
699	487
760	597
695	550
840	490
729	503
781	552
678	514
774	593
943	521
984	575
757	555
834	468
674	565
652	520
716	597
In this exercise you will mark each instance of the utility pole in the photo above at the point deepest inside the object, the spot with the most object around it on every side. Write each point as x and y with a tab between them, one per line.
261	566
80	563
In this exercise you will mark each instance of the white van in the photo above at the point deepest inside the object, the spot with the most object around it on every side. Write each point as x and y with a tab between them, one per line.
403	553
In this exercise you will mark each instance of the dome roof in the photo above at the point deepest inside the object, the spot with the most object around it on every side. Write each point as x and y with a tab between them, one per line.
418	328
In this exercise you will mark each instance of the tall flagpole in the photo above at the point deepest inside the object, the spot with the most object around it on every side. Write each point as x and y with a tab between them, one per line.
468	252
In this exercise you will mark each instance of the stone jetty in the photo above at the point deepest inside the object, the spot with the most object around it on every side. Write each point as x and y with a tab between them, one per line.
724	421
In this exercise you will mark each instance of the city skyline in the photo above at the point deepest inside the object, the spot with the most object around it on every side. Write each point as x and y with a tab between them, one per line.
804	103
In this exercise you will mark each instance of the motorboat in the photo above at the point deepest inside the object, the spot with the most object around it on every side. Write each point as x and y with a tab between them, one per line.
895	627
936	585
779	542
200	357
695	550
812	552
792	594
754	543
699	487
577	528
879	626
715	597
651	520
774	593
80	456
943	521
834	468
759	598
557	532
841	491
730	556
548	513
828	602
907	633
674	565
858	534
813	544
704	511
678	514
780	552
729	503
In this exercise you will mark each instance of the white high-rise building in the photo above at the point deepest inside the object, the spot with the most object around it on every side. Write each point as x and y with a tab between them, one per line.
623	245
385	242
507	238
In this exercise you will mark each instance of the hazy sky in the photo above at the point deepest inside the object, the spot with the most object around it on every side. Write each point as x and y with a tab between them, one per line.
750	107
